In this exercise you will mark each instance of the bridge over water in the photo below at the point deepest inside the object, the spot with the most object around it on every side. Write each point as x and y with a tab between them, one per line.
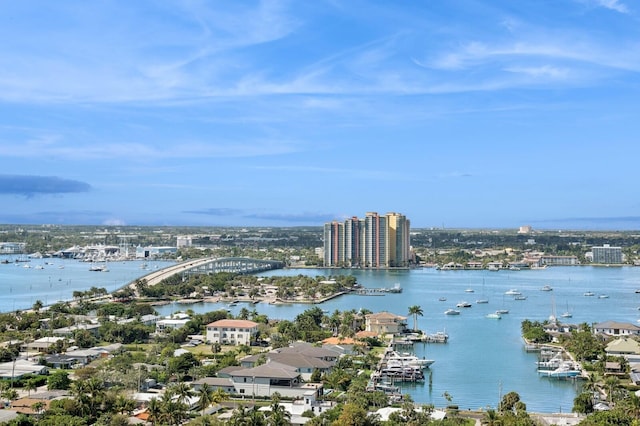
211	265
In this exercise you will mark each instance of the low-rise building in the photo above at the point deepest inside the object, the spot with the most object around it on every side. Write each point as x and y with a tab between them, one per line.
232	332
614	328
625	347
168	324
266	379
385	323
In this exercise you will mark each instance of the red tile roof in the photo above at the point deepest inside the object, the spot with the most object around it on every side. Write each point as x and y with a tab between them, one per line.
233	323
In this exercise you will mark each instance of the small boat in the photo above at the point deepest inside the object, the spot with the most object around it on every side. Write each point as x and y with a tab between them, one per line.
638	291
502	311
546	288
39	267
494	315
443	299
589	293
469	290
452	312
512	292
603	296
567	313
463	305
98	268
520	297
481	301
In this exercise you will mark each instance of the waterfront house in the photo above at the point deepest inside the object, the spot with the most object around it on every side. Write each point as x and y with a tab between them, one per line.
307	349
265	379
232	332
385	323
303	364
613	328
625	347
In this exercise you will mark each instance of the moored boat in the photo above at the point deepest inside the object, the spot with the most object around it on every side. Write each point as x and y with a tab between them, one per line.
452	312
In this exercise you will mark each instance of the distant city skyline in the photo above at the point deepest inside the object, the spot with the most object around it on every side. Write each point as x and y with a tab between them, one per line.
463	114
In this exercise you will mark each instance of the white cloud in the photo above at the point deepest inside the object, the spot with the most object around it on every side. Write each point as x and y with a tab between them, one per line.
613	5
541	71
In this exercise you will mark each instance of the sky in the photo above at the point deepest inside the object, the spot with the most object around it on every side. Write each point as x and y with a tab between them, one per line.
457	114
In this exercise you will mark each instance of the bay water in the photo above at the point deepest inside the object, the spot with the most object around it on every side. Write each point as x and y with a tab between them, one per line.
484	358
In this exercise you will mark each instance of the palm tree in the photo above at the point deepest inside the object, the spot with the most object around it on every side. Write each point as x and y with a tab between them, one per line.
205	396
415	310
30	385
219	396
491	418
182	391
278	415
612	383
154	409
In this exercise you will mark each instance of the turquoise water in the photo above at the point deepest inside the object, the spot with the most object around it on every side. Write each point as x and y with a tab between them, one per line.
483	359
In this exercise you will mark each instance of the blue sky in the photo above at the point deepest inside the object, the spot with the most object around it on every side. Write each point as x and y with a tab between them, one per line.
467	114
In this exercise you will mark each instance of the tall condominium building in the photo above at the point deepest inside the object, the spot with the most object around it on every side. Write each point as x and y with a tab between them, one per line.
607	254
373	242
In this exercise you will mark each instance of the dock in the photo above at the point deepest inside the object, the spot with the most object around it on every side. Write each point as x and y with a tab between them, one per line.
364	291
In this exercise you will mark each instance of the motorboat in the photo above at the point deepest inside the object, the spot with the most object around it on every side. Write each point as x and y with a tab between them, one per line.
502	311
442	299
603	296
463	305
567	369
589	293
452	312
512	292
407	360
494	315
546	288
469	290
520	297
98	268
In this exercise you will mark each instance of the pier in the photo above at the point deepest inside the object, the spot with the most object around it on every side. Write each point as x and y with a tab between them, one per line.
363	291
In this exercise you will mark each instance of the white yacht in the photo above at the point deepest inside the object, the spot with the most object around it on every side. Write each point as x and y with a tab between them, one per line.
404	359
512	292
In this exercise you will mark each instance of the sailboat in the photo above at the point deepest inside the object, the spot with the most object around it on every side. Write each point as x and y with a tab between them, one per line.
567	313
503	310
483	300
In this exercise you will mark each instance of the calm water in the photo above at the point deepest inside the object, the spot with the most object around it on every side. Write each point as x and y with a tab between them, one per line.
483	359
59	278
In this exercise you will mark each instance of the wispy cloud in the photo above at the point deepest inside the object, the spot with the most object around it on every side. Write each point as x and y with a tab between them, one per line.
304	217
40	185
613	5
543	71
55	148
216	211
352	173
